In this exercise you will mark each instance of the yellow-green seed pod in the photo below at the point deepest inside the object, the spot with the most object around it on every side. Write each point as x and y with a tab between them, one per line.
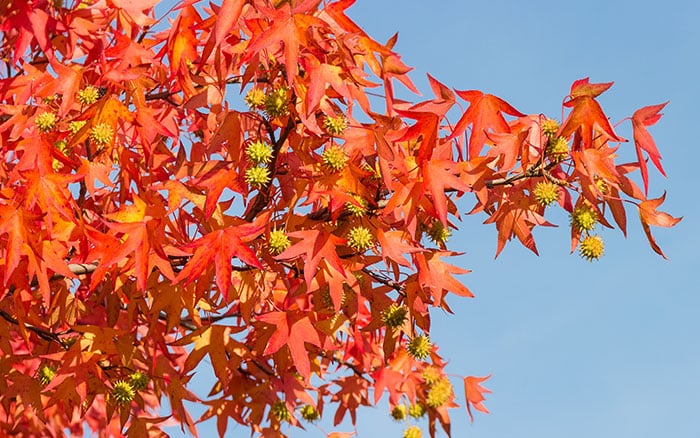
399	412
46	121
591	247
546	193
257	176
101	134
420	347
413	432
334	158
88	95
584	218
123	392
309	413
360	239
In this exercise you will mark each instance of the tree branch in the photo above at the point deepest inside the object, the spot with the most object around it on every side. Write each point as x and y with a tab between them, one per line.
535	171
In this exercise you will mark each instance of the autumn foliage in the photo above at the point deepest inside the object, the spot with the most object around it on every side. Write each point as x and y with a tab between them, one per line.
237	185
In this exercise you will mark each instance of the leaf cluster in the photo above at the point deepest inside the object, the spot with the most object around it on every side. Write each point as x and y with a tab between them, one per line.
215	187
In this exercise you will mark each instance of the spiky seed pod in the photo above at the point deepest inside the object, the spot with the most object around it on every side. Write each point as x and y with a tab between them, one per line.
50	99
546	193
399	412
584	217
101	134
278	242
123	392
394	316
602	186
255	99
360	239
430	375
280	411
61	145
420	347
46	374
591	247
413	432
276	103
335	125
257	176
76	126
139	380
416	410
309	413
356	210
259	152
557	149
88	95
438	233
439	393
45	121
549	127
334	158
327	300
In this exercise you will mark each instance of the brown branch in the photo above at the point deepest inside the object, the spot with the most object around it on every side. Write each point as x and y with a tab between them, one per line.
43	334
359	373
167	94
535	171
78	269
398	287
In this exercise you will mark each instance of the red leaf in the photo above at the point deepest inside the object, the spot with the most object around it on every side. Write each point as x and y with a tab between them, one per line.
294	334
281	333
507	148
394	246
340	434
643	141
649	216
425	131
226	18
288	29
586	119
438	176
485	113
583	87
438	276
221	246
228	15
516	219
474	393
136	8
314	246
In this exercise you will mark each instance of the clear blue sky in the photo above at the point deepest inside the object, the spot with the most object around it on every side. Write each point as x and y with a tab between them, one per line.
576	349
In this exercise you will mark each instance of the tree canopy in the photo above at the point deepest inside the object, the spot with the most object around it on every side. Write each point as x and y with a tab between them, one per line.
237	185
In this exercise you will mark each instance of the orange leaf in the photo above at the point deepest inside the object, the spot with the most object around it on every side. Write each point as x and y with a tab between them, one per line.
438	276
314	246
293	334
440	175
649	216
474	393
586	119
221	246
485	113
583	87
643	141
